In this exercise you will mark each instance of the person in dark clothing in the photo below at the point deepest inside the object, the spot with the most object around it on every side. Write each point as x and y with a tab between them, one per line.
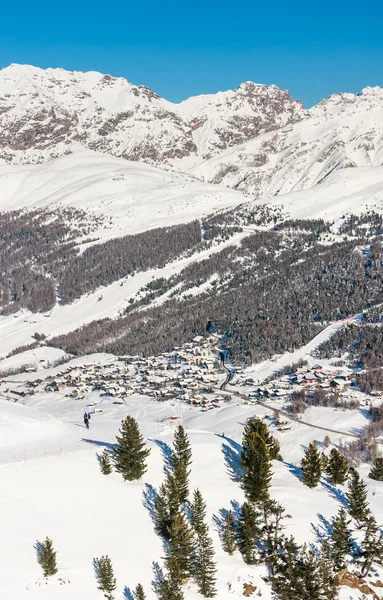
86	420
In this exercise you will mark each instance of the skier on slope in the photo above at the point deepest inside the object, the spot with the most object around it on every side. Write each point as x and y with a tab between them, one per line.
86	420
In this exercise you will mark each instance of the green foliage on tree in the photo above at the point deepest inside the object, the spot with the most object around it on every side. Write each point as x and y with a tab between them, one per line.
180	550
180	462
229	533
271	514
249	533
204	567
139	593
258	426
357	498
46	557
256	467
287	576
105	461
341	541
169	588
372	546
337	468
166	505
377	469
130	453
327	570
311	466
105	576
313	584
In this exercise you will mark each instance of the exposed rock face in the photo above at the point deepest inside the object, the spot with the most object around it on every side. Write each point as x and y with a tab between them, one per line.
45	113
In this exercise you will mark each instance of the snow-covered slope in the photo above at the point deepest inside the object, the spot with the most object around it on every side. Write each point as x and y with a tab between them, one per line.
346	130
43	112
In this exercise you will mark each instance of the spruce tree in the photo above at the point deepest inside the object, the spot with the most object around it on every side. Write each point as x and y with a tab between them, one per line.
327	570
229	533
256	466
169	588
204	567
272	514
377	469
139	593
166	505
180	550
337	468
312	577
180	462
105	576
341	541
46	557
130	452
288	576
258	426
357	498
105	463
372	546
248	533
311	466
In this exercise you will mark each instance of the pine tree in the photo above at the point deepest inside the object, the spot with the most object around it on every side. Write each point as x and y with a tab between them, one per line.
248	533
180	462
327	570
357	498
337	468
312	577
272	514
105	576
341	541
377	469
288	577
180	549
167	505
130	452
139	593
311	466
203	556
105	463
169	588
46	557
229	533
258	426
323	461
372	546
256	466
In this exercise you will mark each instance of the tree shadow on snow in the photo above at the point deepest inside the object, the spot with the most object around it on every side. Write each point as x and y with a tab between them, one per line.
108	445
167	453
158	576
127	593
219	519
150	495
335	493
323	529
296	471
232	454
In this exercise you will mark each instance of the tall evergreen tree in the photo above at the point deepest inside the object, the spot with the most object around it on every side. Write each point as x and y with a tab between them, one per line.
180	462
372	546
357	498
326	567
105	576
312	578
203	557
106	466
139	593
256	466
377	469
167	504
180	550
229	533
337	468
130	453
248	533
341	541
258	426
272	514
46	557
311	466
288	576
169	588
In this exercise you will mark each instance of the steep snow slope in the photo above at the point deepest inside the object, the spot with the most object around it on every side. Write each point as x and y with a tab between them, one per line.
344	131
43	112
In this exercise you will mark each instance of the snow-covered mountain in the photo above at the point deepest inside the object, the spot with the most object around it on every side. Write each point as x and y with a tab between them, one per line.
44	113
345	130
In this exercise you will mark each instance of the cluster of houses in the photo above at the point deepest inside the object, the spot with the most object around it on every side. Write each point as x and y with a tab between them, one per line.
188	374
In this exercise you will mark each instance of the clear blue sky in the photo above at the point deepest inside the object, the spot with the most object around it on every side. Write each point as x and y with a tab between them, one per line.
190	47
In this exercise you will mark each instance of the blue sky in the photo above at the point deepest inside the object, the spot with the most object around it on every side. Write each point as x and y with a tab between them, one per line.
192	46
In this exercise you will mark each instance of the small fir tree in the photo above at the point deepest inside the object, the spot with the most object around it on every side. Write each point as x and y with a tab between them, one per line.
229	533
180	550
327	570
323	461
130	452
357	499
167	504
46	557
341	541
248	533
204	566
311	466
105	463
312	577
377	469
169	588
258	426
256	466
272	514
372	546
139	593
337	468
288	576
180	462
105	576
